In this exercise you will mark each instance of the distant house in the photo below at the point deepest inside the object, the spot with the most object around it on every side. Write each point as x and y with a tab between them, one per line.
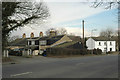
37	45
102	43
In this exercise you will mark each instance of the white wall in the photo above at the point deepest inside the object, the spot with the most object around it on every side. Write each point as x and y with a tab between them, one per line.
113	46
103	46
90	43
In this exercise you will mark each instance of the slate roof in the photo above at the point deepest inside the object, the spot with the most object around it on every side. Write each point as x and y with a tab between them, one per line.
18	42
75	38
44	38
56	38
23	41
33	38
102	39
50	40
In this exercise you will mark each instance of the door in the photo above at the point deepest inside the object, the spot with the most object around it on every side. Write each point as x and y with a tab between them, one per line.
110	49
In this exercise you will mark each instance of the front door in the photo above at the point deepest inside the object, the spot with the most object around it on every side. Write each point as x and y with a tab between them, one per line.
110	49
41	51
30	52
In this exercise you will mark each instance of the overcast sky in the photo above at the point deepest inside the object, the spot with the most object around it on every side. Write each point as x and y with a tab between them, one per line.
69	15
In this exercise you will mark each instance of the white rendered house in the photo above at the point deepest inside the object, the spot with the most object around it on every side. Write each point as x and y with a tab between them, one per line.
101	43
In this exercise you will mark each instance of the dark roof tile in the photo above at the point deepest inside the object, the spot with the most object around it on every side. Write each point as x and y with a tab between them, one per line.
18	42
102	39
75	38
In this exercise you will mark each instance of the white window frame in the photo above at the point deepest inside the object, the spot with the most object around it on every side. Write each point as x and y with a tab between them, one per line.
105	43
43	42
99	43
32	42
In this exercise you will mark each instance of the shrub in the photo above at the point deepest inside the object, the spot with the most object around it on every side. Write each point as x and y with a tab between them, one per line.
109	52
97	51
65	51
69	51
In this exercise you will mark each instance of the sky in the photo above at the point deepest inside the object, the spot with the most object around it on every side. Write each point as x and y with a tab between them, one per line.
69	15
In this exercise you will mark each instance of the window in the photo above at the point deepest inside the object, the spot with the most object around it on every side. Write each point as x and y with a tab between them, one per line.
99	43
105	49
29	42
37	42
105	43
42	42
33	42
110	43
79	42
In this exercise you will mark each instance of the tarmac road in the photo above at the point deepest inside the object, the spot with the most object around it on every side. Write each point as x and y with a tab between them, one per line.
73	67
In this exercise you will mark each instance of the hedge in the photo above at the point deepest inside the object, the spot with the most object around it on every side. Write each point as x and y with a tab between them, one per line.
68	51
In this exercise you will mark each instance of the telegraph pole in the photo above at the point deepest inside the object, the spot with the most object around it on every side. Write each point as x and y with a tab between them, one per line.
83	32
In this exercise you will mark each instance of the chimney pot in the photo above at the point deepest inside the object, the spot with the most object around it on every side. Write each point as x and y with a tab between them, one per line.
41	34
24	35
32	35
52	33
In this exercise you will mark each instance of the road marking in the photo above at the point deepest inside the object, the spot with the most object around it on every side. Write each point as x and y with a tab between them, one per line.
20	74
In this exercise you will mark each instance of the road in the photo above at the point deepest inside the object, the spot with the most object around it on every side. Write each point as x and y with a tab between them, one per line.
73	67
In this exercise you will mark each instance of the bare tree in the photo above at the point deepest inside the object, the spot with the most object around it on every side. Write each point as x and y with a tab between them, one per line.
18	14
116	32
62	31
107	33
10	39
71	34
109	5
105	4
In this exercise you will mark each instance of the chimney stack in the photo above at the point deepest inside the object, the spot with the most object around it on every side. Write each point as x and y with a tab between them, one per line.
24	35
41	34
32	35
53	33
